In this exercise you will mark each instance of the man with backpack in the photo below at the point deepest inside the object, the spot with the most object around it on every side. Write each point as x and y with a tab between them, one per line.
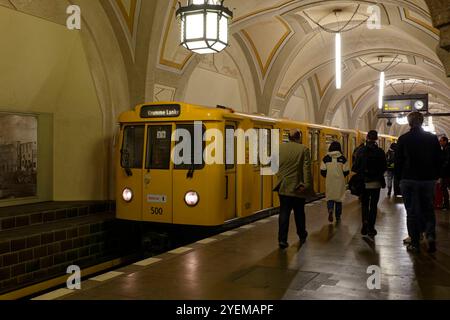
370	165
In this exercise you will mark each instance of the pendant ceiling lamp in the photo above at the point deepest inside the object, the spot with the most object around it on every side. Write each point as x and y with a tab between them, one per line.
204	25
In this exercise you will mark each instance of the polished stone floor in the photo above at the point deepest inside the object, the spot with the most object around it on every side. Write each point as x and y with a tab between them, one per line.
247	264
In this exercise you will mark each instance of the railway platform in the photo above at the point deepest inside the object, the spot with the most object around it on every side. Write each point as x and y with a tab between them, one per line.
246	264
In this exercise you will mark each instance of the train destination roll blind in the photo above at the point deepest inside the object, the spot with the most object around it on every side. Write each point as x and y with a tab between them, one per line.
161	111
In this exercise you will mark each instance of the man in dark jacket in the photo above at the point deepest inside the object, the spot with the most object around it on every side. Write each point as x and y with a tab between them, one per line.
370	162
417	165
445	172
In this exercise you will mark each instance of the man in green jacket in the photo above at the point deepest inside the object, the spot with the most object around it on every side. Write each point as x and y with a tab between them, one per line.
294	182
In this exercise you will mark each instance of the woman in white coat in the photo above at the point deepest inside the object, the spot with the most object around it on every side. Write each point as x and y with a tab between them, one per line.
335	168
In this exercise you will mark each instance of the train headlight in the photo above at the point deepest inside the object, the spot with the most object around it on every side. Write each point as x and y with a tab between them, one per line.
191	198
127	195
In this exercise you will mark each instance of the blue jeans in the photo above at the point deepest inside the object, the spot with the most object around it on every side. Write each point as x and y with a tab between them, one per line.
332	204
419	197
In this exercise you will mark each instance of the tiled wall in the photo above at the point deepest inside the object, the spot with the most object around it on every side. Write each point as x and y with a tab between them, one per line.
36	253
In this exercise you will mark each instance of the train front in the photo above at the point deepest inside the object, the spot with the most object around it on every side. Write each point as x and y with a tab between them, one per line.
150	186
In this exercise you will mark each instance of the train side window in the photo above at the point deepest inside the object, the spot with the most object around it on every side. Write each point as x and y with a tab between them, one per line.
191	165
329	139
285	136
133	147
344	144
158	147
268	147
315	146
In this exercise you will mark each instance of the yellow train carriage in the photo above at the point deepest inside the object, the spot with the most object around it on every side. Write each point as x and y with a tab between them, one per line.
152	188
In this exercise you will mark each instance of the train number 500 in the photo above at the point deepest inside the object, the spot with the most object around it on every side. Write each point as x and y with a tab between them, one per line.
156	211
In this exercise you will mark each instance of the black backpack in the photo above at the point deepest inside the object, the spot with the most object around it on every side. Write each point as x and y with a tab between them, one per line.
371	160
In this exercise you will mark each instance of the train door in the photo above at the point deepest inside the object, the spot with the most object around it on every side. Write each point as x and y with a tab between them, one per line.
257	181
266	180
230	173
344	142
345	138
354	146
314	140
284	138
157	177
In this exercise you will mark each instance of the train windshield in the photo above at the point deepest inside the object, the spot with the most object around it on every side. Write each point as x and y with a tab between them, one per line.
190	163
158	147
132	148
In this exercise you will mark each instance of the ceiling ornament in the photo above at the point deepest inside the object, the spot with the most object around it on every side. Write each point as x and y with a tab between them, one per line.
391	65
341	29
404	83
338	38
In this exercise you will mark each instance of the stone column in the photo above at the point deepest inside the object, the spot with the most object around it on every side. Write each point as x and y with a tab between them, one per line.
440	14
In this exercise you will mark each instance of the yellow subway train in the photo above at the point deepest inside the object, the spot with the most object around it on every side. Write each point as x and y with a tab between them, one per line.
151	187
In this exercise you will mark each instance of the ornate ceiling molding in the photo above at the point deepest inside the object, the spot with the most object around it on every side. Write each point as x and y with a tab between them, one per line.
128	17
363	94
164	59
128	12
408	17
295	5
264	66
319	86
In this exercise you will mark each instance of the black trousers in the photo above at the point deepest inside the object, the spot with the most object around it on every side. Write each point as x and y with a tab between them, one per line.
369	205
287	204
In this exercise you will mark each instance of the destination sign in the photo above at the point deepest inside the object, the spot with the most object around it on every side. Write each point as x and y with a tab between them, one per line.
405	104
161	111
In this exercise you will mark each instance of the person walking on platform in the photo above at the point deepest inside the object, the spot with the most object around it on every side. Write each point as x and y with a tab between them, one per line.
294	182
445	172
335	168
417	165
370	163
390	159
354	156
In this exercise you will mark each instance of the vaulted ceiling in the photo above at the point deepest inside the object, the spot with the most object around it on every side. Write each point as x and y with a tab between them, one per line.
281	59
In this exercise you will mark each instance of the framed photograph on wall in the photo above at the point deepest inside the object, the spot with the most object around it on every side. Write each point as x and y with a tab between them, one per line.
18	156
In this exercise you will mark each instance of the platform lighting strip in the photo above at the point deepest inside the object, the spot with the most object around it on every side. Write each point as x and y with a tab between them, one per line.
395	62
381	91
338	61
338	33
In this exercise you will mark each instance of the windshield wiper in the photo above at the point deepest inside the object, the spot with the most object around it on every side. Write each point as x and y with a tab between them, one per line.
126	162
